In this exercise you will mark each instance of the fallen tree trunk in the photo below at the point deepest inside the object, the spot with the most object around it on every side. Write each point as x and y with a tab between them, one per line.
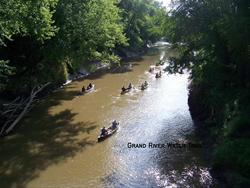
15	110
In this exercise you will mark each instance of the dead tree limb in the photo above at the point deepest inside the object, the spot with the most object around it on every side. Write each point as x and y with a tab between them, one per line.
17	110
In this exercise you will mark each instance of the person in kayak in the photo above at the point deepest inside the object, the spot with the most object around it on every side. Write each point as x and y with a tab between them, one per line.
130	86
123	89
83	89
89	86
114	124
103	131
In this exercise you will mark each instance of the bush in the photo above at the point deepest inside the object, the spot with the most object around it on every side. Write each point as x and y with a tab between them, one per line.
238	127
234	155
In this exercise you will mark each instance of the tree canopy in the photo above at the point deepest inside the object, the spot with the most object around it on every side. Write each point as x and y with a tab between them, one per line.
143	20
42	40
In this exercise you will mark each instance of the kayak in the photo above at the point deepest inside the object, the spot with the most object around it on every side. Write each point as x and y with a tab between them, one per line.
126	91
110	133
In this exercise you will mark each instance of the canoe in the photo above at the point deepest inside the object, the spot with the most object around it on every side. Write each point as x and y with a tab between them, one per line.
110	133
89	90
151	70
157	76
144	87
126	91
159	63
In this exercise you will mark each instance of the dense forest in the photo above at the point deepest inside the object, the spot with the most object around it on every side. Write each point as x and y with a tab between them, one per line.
44	40
213	41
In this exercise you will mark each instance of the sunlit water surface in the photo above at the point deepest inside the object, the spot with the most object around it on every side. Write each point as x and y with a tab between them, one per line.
56	144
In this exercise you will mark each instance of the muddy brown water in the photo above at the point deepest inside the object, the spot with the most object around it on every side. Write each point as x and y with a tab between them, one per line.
56	144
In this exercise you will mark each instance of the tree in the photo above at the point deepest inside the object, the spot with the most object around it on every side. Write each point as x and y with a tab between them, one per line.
143	21
18	19
18	22
90	31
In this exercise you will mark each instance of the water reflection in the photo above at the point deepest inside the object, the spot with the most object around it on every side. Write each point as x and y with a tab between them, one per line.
159	115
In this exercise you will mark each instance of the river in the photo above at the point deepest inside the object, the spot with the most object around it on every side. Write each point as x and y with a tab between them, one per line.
55	145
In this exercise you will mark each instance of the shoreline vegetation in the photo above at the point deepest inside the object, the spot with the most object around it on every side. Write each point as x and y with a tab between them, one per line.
128	56
59	38
212	39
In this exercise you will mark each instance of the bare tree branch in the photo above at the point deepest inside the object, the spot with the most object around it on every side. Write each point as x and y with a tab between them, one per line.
18	108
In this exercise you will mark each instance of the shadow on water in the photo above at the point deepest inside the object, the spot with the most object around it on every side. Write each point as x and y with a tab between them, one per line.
42	140
102	72
152	51
136	58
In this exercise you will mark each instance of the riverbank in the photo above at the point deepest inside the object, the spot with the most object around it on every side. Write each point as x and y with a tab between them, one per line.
124	55
228	156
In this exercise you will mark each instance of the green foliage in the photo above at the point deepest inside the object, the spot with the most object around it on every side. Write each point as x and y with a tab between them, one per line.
143	20
24	26
206	37
90	31
5	72
238	126
27	18
212	39
234	155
